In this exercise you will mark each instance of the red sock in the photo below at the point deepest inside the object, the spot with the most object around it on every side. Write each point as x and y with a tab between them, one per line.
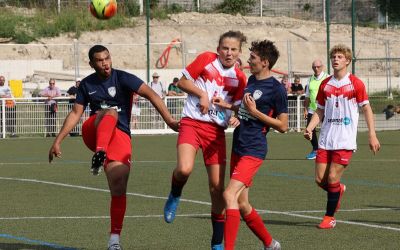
255	223
105	130
231	228
117	212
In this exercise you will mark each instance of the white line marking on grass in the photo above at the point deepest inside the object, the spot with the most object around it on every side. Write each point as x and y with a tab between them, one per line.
348	210
196	202
97	217
319	218
87	162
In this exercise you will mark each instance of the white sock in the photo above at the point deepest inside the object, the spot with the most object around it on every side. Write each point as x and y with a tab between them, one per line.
114	239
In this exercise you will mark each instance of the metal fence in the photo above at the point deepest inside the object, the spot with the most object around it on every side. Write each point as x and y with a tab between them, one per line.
30	117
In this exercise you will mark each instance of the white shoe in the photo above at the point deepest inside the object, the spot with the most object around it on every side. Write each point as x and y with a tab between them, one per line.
115	246
275	245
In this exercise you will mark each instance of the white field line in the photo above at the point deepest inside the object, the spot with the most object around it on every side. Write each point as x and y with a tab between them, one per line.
292	214
60	162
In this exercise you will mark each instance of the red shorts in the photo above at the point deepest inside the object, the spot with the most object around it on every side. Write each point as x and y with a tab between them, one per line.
119	148
205	135
244	168
341	157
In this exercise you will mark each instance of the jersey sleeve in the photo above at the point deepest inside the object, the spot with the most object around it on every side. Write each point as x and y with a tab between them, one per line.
237	97
193	70
361	92
321	94
131	82
281	100
81	94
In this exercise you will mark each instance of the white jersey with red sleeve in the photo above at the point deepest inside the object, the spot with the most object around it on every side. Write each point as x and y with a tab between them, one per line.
208	74
340	100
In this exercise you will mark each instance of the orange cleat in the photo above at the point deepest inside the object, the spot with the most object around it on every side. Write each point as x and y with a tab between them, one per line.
342	190
327	223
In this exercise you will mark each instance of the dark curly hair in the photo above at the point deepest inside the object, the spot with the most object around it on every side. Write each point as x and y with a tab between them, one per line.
266	50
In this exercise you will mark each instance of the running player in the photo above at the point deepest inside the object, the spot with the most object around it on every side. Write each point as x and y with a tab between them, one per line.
109	93
209	76
338	99
264	105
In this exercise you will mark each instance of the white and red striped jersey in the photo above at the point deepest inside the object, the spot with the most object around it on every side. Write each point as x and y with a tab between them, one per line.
208	74
340	100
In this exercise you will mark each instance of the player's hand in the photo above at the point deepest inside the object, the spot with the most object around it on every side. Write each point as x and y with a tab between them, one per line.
174	125
305	114
249	103
234	121
204	103
374	144
308	134
220	102
54	151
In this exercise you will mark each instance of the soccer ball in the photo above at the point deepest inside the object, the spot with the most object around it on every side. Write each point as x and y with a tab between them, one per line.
103	9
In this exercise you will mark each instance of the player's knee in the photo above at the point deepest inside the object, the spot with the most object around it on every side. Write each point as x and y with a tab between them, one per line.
183	173
229	197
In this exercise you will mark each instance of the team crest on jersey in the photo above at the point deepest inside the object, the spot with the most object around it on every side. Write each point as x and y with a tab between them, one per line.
257	94
112	91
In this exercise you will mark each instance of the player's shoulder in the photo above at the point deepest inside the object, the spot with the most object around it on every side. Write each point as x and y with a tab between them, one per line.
207	56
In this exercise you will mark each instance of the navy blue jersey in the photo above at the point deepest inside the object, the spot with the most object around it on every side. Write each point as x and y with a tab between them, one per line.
249	138
113	92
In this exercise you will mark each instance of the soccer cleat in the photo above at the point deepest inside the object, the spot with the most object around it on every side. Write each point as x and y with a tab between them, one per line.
275	245
217	247
328	222
115	246
312	155
342	190
97	162
170	208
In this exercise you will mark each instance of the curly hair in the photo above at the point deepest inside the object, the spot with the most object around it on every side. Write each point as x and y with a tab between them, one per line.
342	49
266	50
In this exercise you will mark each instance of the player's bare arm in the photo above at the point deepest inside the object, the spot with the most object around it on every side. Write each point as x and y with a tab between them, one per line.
187	86
315	120
373	141
146	92
306	104
220	102
280	123
69	123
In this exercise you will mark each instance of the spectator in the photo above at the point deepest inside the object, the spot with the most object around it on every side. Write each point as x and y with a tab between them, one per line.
310	104
73	90
173	89
11	115
72	95
51	107
157	85
296	87
286	83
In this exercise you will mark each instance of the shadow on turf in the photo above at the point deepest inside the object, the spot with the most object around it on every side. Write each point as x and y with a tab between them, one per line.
270	222
22	246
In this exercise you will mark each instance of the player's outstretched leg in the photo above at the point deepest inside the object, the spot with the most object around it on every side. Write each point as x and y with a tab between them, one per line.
98	160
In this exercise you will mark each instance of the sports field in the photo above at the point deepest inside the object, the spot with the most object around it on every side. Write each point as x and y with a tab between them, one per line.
62	206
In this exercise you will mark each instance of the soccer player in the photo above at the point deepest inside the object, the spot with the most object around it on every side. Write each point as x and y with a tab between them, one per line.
109	93
310	104
264	105
338	99
209	76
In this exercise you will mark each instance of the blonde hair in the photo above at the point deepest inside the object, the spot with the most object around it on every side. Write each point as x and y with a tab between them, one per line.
342	49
